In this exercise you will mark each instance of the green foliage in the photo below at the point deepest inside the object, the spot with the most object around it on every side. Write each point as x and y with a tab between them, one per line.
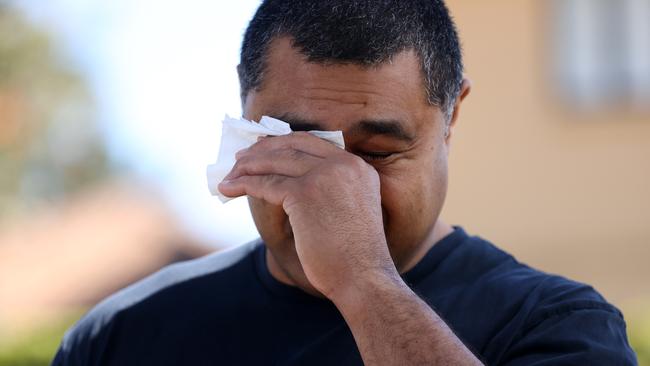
37	348
639	333
49	141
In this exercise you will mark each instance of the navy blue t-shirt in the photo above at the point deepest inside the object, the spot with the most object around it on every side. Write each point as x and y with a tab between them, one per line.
226	309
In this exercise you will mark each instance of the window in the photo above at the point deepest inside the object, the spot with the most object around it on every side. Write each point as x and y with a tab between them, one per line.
601	52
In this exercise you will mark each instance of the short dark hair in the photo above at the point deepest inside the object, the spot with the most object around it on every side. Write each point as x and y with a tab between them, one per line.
363	32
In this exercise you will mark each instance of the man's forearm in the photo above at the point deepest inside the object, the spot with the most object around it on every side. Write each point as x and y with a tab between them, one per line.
393	326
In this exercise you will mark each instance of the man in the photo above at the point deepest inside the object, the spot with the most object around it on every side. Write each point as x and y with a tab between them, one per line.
354	265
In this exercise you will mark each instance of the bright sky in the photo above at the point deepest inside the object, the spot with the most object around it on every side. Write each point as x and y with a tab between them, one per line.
164	76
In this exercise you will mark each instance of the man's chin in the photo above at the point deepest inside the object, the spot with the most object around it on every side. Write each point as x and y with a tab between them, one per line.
288	269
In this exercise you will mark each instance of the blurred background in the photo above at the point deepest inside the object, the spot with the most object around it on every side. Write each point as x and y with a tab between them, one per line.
110	111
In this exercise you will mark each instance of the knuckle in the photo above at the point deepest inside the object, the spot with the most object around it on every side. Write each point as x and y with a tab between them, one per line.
241	153
264	142
241	163
352	168
336	171
295	154
236	168
352	163
254	147
357	162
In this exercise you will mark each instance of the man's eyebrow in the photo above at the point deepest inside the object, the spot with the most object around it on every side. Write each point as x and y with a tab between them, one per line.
391	128
299	124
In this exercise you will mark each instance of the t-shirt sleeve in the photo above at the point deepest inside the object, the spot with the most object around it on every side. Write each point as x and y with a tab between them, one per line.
72	353
577	334
68	357
61	358
83	344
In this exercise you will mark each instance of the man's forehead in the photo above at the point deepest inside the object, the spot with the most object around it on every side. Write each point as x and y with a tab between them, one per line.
387	99
285	63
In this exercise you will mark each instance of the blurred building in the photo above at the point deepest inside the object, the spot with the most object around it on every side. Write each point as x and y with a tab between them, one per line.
64	258
550	159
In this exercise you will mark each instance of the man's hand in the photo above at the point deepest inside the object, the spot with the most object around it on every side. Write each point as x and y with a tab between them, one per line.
332	198
333	202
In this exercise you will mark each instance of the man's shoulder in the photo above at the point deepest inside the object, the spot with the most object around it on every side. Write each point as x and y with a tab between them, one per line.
498	303
178	279
501	276
552	311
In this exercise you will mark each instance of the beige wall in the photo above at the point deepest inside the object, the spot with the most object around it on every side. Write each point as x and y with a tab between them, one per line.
563	191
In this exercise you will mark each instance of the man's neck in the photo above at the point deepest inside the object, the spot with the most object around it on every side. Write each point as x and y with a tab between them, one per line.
439	231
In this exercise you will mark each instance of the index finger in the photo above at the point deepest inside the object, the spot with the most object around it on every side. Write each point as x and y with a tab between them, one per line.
300	141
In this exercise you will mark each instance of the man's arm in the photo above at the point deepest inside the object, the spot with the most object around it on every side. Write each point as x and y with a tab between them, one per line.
333	202
393	326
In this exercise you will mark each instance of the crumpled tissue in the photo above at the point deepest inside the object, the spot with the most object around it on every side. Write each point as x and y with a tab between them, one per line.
238	134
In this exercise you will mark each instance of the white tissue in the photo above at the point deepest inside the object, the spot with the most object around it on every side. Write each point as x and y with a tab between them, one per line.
238	134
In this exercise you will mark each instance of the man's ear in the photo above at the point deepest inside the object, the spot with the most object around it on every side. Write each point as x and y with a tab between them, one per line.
465	88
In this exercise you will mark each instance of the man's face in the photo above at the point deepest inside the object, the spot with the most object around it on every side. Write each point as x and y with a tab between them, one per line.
385	119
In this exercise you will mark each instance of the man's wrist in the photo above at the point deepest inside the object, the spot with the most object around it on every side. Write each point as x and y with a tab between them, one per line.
354	296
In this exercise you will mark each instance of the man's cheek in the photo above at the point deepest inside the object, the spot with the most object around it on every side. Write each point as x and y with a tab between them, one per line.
397	190
396	200
271	220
